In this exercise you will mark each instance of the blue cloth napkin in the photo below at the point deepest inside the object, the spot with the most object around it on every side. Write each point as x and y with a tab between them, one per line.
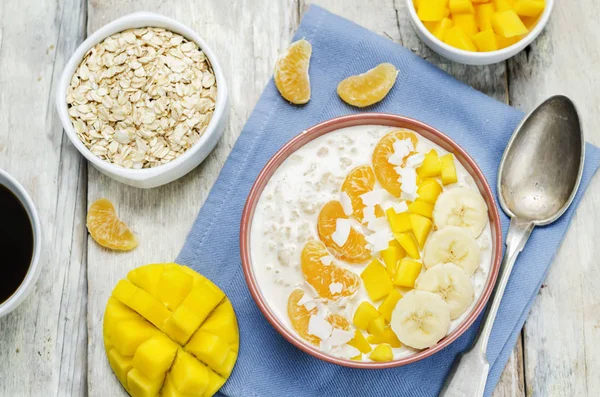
270	366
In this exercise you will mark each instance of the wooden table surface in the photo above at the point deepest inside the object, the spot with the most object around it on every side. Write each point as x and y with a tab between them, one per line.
52	344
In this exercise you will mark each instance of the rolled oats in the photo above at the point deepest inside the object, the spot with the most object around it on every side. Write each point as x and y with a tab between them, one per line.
142	97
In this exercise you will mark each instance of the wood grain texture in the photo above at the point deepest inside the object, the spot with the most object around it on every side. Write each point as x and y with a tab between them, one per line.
562	333
43	343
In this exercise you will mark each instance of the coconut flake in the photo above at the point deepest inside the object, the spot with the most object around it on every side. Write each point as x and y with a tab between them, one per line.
319	327
380	240
369	214
335	288
342	231
400	207
340	337
326	260
347	351
415	160
346	203
377	224
305	298
309	305
408	178
402	148
374	197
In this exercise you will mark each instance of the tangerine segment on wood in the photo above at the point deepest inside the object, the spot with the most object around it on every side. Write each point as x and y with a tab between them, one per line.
168	328
384	171
300	316
368	88
355	249
107	229
291	73
320	276
359	181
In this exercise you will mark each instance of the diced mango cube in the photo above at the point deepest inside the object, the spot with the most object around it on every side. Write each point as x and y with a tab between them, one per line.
433	10
227	366
387	306
391	256
202	300
382	352
222	322
173	287
429	190
504	42
208	348
376	326
117	312
120	364
356	358
409	243
140	386
147	277
440	28
129	334
376	280
124	291
155	356
169	389
399	223
182	324
485	41
431	166
386	336
480	1
507	24
461	7
529	8
215	382
407	273
189	375
483	16
502	5
530	22
421	228
365	313
359	342
421	207
448	169
466	23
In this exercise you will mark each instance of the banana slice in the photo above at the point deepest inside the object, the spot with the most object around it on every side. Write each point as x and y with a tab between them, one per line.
455	245
462	207
420	319
451	283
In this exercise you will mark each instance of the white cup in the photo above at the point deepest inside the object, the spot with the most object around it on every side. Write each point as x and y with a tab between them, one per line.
33	273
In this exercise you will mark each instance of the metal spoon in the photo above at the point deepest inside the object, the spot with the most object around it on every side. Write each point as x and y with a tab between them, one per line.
539	175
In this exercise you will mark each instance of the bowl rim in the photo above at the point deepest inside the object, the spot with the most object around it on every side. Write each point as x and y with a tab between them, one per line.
132	21
347	121
503	53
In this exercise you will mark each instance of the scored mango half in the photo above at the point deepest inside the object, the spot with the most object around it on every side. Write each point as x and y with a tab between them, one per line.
168	331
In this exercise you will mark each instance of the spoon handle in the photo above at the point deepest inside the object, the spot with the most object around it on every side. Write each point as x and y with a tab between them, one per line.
468	375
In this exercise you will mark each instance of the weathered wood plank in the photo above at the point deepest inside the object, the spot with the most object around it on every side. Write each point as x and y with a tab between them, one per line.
43	342
562	333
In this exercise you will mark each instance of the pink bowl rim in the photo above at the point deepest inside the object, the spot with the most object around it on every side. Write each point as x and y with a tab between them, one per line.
323	128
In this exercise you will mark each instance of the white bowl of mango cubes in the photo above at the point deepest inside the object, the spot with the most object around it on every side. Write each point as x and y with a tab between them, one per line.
522	29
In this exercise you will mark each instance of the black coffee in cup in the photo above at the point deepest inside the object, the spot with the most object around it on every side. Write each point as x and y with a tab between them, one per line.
16	243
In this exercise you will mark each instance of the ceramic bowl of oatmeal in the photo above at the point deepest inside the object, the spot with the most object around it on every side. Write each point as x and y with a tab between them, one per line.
371	241
143	99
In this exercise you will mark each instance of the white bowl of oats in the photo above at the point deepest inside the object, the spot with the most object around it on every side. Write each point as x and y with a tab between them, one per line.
143	99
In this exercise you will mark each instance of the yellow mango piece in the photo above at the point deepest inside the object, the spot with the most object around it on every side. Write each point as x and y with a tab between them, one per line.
189	375
215	382
386	336
466	23
433	10
461	7
141	301
376	280
480	1
430	25
202	300
391	257
399	223
365	313
421	228
502	5
448	169
154	357
407	273
120	365
182	324
507	24
409	243
359	342
486	41
483	16
227	366
382	352
440	28
129	334
530	22
115	313
173	287
504	42
208	348
431	166
529	8
147	277
389	303
376	326
356	358
421	207
222	322
140	386
169	389
429	190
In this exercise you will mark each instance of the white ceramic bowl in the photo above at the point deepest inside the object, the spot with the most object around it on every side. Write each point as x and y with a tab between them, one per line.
156	176
476	58
34	266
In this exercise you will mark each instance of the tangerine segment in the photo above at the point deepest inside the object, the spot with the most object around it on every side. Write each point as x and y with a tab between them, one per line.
321	276
300	316
107	229
368	88
384	171
359	181
355	248
291	73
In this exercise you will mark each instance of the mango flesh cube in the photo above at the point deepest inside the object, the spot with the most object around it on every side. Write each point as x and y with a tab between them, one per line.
432	10
483	16
441	27
140	386
208	348
502	5
129	335
227	366
448	170
421	207
356	358
529	8
202	301
222	322
359	342
182	324
529	22
480	1
215	382
504	42
486	41
407	273
387	336
461	7
169	389
189	375
466	23
421	228
154	357
115	313
376	280
507	24
365	313
173	287
382	352
120	364
399	223
147	277
376	326
431	164
429	190
387	306
391	257
409	243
